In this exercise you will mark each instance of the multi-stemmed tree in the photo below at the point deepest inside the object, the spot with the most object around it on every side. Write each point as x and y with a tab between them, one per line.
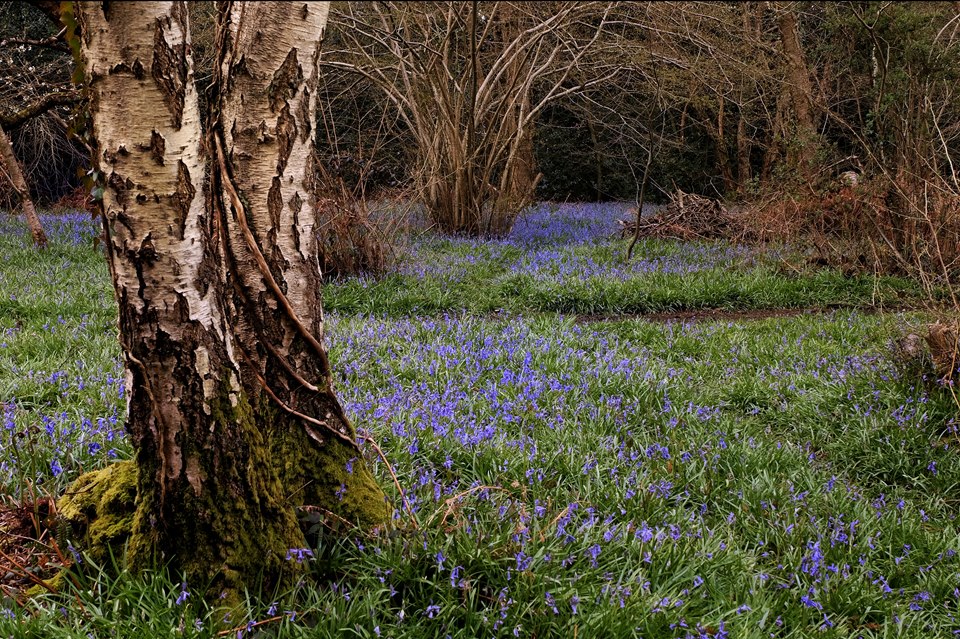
468	81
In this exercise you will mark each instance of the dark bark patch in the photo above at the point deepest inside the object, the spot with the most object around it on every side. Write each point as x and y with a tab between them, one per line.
207	274
112	157
179	13
181	308
275	203
296	204
119	186
240	67
133	256
147	251
158	146
310	177
279	264
286	80
182	198
124	219
286	135
264	135
138	69
169	71
304	114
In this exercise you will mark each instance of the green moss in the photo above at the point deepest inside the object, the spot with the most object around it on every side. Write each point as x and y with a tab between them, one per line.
58	582
257	469
239	527
98	509
333	477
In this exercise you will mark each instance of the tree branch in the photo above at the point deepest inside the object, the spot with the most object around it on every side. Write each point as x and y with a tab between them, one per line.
41	106
53	42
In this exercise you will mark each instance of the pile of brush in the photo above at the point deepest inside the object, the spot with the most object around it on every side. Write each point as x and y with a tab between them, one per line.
687	217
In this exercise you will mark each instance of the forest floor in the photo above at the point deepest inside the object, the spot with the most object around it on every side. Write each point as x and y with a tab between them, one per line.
712	440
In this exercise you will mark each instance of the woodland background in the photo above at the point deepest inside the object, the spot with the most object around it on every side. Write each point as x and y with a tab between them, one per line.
472	111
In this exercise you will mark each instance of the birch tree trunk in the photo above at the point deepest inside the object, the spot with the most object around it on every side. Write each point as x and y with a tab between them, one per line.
10	163
231	406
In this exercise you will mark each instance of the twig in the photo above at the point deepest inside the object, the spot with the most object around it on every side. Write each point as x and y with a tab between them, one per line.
789	265
403	496
559	516
643	193
14	120
65	562
449	502
311	508
27	574
53	42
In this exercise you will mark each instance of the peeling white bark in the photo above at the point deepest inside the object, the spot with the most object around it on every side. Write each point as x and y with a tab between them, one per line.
147	125
270	134
153	152
269	130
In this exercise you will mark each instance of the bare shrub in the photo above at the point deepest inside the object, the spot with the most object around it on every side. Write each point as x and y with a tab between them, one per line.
79	199
358	235
467	86
929	353
942	339
910	355
350	243
773	219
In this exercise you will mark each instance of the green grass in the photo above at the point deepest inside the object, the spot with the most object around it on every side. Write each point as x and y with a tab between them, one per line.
450	276
60	369
616	478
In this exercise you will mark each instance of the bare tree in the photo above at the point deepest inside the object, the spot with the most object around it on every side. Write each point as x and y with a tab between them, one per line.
34	85
800	90
469	81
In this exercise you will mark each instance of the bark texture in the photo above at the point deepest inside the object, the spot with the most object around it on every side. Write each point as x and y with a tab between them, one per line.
264	135
801	93
218	288
11	165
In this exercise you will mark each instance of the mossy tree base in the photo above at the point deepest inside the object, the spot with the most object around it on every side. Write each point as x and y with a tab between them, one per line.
230	535
98	510
223	542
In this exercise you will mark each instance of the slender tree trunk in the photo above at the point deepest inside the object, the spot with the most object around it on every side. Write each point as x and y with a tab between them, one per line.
801	92
775	138
743	154
12	166
520	173
597	158
723	157
520	176
231	406
471	202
